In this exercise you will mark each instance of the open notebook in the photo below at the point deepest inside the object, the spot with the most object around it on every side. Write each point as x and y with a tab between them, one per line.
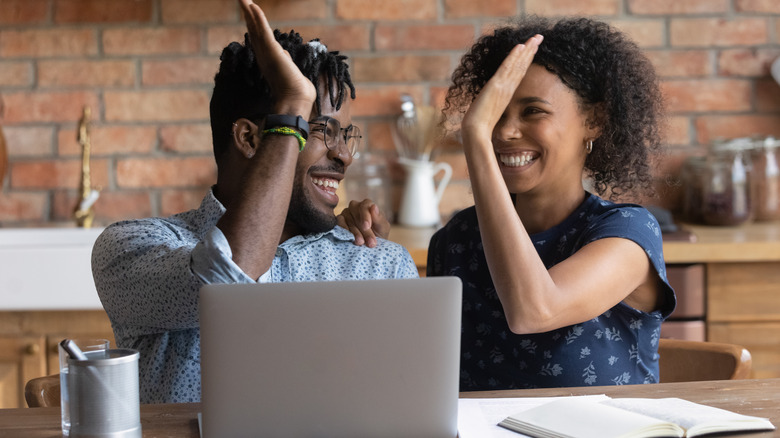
350	359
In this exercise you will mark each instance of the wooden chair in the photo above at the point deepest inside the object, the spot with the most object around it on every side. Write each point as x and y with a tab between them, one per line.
43	392
688	361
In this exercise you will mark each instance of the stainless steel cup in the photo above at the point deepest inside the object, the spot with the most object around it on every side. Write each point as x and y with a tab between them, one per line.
104	400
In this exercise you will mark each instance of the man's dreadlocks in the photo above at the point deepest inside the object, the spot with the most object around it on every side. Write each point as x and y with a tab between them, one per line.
241	91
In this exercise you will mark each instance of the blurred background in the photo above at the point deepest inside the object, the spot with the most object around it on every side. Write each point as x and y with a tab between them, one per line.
145	69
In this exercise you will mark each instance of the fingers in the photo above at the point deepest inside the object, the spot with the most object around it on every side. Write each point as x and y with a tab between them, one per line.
365	221
518	60
380	224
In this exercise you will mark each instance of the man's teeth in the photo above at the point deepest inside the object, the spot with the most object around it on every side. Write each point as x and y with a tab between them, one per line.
332	183
516	160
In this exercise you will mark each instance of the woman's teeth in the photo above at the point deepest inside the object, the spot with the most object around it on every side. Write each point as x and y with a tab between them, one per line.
327	183
516	160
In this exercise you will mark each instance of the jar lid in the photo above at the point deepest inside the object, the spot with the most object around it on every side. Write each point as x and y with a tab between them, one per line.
733	145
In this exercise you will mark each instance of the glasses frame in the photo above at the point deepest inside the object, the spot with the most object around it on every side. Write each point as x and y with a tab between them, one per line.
351	135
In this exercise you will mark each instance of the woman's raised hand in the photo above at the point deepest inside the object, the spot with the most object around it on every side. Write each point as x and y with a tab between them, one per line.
292	91
483	114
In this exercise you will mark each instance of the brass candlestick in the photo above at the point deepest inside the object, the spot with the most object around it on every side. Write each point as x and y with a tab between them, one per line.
85	213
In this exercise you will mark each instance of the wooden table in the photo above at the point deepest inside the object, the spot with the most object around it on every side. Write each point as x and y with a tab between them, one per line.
751	397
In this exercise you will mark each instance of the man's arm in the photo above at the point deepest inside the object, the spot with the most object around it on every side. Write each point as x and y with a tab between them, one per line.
254	219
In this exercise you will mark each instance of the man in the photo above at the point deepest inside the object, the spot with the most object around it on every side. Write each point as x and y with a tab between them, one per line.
283	139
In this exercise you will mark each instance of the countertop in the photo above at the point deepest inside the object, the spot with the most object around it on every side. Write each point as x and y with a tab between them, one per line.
754	242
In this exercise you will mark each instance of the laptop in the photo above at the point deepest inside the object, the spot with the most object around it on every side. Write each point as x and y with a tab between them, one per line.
368	358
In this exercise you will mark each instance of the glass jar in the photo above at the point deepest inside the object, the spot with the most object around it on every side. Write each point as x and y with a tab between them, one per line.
692	195
726	197
368	178
766	179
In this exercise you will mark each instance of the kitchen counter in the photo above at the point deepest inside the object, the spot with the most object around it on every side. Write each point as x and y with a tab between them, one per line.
757	242
47	269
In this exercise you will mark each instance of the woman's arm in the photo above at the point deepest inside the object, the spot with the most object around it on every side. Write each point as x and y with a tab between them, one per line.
536	299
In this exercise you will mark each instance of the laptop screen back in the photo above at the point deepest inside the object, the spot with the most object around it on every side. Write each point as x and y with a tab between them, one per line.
350	358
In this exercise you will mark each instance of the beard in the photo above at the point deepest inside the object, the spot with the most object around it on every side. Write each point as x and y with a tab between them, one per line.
305	215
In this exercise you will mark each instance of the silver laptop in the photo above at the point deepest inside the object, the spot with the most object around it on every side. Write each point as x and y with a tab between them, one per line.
373	358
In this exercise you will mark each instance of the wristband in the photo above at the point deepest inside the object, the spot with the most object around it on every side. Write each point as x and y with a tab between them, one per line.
285	130
295	122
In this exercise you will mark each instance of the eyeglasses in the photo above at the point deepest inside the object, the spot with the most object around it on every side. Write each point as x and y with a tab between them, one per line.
330	130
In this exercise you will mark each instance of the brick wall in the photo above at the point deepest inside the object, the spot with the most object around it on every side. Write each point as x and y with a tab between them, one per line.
145	68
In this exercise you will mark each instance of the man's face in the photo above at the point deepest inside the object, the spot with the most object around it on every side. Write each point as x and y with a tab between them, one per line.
318	174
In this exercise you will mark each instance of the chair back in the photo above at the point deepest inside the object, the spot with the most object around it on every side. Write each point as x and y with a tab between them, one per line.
43	392
688	361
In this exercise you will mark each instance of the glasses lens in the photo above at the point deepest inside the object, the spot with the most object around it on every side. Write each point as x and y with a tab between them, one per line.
332	130
353	139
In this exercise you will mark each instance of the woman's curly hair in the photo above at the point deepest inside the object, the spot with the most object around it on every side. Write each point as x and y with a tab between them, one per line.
608	73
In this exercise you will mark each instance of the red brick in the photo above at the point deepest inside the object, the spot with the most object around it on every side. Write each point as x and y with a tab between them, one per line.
438	94
59	174
379	137
37	107
404	68
424	37
382	100
186	138
734	126
707	95
23	206
645	33
677	7
85	73
102	11
746	62
678	131
33	141
767	95
165	172
15	74
47	42
218	37
572	7
718	32
23	11
286	10
777	34
109	140
109	208
157	106
199	11
471	8
177	201
759	6
151	41
680	63
386	10
179	71
342	37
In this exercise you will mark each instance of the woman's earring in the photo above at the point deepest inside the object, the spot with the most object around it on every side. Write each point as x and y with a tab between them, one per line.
250	154
589	146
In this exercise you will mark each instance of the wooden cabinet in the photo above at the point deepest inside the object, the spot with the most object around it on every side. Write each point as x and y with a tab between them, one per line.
21	359
743	307
28	345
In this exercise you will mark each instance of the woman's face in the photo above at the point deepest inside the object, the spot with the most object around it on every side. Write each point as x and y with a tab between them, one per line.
540	139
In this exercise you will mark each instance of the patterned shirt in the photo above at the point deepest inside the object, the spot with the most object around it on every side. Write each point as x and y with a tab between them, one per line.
148	274
617	347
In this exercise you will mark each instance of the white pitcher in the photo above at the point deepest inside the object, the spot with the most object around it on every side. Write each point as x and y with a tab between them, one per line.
420	201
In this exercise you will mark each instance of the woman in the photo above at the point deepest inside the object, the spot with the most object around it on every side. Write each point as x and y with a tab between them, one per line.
560	287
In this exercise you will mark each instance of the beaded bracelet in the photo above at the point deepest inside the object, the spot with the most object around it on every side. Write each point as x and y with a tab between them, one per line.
284	130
